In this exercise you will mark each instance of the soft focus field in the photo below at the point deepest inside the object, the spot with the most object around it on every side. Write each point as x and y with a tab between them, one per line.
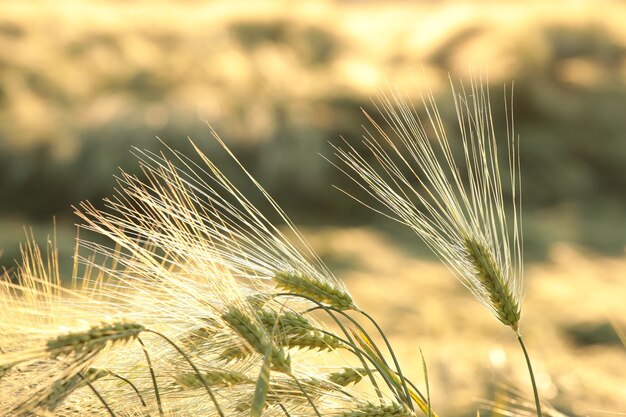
81	82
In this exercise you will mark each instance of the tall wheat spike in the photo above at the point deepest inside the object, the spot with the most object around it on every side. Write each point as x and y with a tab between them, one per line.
450	189
453	198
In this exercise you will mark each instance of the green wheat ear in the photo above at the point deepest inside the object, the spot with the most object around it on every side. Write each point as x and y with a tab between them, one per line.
376	410
94	339
191	380
506	308
320	291
296	331
255	335
348	376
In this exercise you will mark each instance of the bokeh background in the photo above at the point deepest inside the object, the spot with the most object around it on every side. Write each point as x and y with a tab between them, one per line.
81	82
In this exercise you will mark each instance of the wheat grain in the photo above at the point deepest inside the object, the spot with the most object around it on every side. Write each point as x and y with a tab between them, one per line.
94	339
374	410
505	306
320	291
347	376
190	380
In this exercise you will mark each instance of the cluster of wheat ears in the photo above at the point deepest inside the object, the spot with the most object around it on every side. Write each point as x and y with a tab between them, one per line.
202	307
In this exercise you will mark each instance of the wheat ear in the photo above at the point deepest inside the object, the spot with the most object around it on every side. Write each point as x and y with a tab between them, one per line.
506	307
375	410
321	291
94	339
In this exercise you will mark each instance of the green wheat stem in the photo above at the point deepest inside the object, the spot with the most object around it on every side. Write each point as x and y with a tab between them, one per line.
532	375
355	323
195	368
152	376
282	407
416	390
379	353
430	411
358	352
362	353
349	342
393	357
95	391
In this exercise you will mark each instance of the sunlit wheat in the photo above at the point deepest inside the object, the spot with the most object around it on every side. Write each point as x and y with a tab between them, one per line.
200	307
449	185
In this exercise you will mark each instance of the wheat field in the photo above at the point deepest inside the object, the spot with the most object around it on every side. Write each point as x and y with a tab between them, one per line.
81	83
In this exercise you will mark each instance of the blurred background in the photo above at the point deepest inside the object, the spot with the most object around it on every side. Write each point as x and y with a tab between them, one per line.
81	82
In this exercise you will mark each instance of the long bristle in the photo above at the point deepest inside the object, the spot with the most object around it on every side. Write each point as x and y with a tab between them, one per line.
451	192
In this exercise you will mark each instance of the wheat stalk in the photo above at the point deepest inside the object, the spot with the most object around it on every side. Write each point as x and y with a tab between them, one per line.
452	198
197	265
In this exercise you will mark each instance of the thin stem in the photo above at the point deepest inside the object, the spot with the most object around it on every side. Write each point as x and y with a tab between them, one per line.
352	348
414	394
378	352
430	411
393	357
95	391
282	407
328	310
306	394
195	368
132	386
532	375
153	376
